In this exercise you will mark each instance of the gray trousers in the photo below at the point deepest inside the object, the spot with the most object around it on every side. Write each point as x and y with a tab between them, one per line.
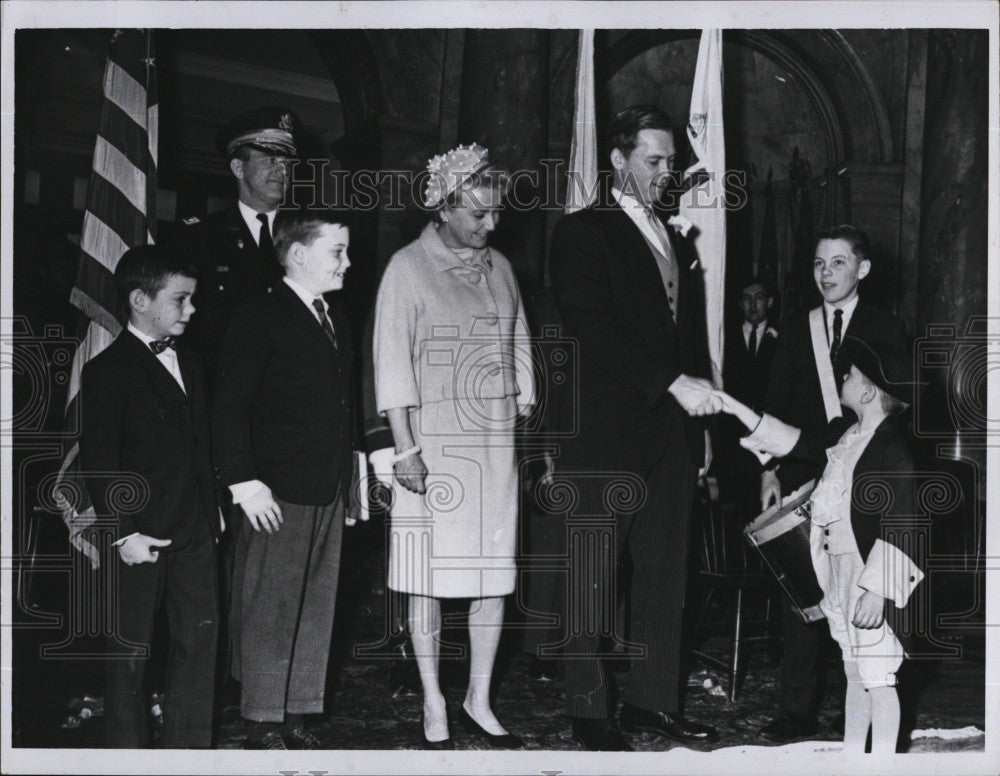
284	594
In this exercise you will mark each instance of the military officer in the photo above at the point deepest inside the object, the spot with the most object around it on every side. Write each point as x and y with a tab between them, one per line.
233	248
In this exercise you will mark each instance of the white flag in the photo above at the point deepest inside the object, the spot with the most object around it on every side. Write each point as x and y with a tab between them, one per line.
581	186
704	205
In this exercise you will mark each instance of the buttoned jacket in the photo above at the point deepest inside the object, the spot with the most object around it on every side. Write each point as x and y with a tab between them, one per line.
448	330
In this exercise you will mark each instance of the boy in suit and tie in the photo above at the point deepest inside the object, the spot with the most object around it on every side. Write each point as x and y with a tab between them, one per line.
144	411
282	420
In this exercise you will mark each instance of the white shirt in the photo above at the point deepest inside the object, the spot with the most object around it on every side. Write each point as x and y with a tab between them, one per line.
652	229
848	308
168	357
307	297
243	490
761	330
252	222
638	213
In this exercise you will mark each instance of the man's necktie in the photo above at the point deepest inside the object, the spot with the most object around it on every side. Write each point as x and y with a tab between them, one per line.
265	244
752	343
325	322
838	328
158	346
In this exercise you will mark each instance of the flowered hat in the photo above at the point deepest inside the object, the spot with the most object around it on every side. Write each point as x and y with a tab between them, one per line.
451	169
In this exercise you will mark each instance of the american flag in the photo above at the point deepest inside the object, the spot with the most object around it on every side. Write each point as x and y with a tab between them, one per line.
120	214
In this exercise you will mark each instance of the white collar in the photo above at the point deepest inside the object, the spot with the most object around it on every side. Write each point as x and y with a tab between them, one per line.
143	337
307	297
628	203
847	308
250	217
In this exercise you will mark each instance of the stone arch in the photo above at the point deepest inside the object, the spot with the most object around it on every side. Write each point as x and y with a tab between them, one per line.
825	97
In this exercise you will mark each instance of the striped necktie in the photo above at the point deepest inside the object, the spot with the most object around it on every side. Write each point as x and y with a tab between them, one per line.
324	321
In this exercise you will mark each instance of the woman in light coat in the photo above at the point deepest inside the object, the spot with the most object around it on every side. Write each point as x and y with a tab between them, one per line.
453	371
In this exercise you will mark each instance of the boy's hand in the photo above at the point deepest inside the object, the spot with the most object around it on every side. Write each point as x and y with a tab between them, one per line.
263	511
868	613
141	549
410	473
770	488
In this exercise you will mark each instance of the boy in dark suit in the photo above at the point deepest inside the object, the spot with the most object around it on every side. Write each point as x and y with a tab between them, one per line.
144	411
282	420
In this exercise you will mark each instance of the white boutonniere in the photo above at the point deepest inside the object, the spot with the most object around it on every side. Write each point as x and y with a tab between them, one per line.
681	224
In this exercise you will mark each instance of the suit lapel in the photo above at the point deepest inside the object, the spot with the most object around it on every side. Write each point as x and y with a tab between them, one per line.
163	381
682	274
635	247
304	317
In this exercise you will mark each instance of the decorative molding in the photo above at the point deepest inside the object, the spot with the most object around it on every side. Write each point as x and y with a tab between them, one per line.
244	74
763	41
870	90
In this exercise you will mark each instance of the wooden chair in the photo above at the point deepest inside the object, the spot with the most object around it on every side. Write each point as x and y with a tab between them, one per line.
733	582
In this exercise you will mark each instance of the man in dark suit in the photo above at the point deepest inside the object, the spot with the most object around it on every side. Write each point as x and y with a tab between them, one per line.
803	392
283	427
234	248
630	292
144	415
749	354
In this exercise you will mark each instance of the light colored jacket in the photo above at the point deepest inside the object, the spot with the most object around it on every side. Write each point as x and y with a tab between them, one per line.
447	330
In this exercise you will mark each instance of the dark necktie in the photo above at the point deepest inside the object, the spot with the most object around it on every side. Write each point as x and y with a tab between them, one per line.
838	328
265	244
158	346
325	322
752	343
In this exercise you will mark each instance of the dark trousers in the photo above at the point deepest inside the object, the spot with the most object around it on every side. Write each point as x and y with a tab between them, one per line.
604	532
284	593
542	583
799	673
184	581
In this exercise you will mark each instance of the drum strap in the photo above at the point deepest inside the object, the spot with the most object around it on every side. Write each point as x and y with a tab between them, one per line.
824	368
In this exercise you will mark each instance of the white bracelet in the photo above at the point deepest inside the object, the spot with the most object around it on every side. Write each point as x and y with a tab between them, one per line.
394	459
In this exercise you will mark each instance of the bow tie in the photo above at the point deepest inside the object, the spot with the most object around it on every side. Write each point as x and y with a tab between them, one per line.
158	346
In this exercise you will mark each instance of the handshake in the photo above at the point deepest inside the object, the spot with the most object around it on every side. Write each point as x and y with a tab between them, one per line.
769	436
698	397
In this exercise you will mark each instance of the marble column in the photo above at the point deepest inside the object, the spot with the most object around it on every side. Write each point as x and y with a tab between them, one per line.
505	107
952	254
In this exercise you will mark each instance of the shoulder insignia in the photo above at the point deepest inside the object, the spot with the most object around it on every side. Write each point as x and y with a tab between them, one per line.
191	221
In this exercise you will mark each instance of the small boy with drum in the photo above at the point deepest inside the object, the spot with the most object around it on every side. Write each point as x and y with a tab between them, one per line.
859	511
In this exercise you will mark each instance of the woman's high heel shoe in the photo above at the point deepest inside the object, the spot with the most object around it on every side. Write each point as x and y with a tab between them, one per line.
444	743
505	741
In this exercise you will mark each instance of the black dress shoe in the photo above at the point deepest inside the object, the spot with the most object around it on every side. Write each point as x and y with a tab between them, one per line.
444	743
599	735
297	737
788	727
663	723
271	740
504	741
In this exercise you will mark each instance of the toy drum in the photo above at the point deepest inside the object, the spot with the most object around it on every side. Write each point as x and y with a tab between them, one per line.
781	534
